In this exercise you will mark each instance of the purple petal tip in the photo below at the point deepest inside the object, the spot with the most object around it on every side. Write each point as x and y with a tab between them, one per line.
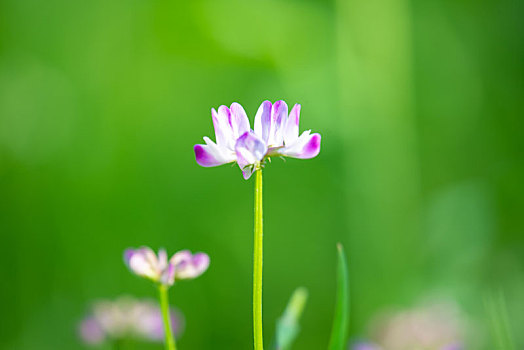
312	148
201	259
128	253
201	156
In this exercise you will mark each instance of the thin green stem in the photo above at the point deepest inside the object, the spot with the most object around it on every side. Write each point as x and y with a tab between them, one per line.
257	264
166	317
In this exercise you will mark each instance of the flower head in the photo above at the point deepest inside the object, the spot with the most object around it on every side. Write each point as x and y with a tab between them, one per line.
183	265
126	317
365	346
275	133
436	326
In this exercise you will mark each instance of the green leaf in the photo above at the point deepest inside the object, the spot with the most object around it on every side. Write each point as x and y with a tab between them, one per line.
341	319
499	321
287	324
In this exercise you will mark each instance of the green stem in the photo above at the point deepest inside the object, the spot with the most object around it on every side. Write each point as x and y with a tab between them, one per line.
257	264
166	317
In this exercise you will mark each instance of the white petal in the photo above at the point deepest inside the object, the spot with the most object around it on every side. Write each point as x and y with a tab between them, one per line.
305	147
181	256
239	120
162	259
250	149
263	120
211	154
168	275
291	129
278	121
144	263
223	131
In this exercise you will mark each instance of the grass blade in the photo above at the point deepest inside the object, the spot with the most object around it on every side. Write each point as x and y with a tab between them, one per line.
341	319
287	324
500	326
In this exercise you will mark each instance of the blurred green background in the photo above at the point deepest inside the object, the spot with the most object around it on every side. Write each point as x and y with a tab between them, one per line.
420	107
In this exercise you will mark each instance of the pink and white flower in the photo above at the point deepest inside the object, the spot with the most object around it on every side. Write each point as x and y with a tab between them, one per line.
182	265
126	317
431	326
275	133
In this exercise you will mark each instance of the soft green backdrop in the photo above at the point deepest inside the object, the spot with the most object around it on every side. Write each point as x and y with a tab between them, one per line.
420	106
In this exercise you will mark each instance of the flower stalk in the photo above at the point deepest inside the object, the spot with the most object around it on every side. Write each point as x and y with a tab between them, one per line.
166	317
257	264
275	133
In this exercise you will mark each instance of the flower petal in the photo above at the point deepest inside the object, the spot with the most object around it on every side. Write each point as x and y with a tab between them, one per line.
263	120
91	332
162	259
143	262
239	120
211	154
223	132
168	275
247	171
305	147
200	262
291	128
193	268
278	121
180	257
148	321
250	149
365	346
128	253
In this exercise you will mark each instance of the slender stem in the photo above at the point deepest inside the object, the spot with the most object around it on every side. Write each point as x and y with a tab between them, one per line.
257	264
166	317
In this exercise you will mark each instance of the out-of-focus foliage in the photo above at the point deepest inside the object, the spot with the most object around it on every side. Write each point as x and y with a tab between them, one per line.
339	332
419	104
288	326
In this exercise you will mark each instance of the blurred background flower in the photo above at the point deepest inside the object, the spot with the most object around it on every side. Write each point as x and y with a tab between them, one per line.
145	263
126	317
182	265
420	175
433	326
